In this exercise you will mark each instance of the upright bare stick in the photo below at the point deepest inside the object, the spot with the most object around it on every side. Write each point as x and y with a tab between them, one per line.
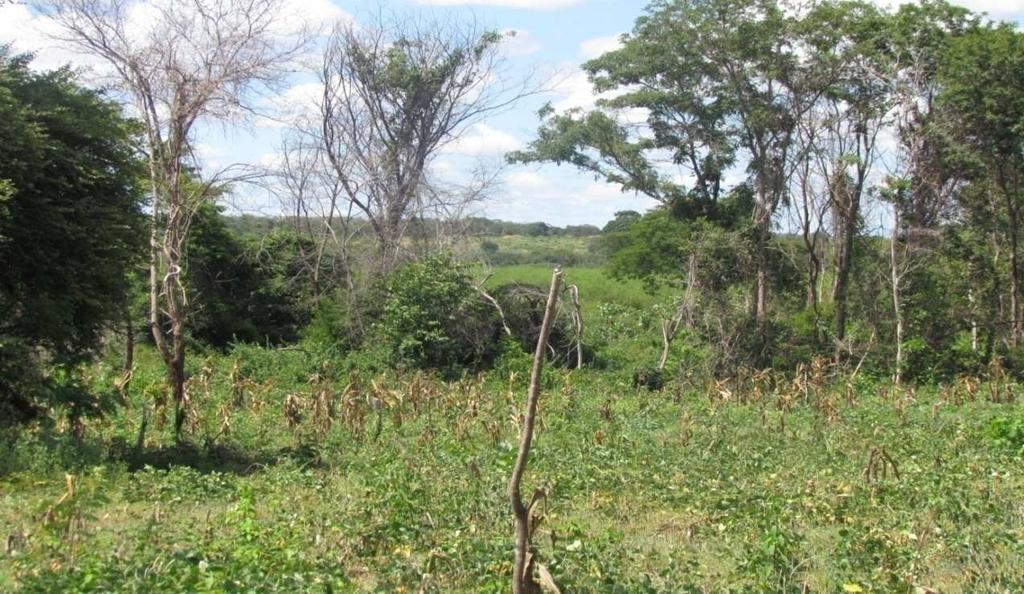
522	580
577	321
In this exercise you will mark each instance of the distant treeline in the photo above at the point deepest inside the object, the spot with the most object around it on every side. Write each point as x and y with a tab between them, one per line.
260	225
484	226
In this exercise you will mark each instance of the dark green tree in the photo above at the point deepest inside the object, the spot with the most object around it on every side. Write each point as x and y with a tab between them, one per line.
982	75
431	317
623	220
243	289
70	226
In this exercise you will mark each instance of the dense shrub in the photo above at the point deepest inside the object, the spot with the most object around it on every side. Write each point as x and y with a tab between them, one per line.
71	228
242	291
431	317
333	329
1007	431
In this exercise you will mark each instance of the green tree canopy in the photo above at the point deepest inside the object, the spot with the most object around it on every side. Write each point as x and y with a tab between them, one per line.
70	220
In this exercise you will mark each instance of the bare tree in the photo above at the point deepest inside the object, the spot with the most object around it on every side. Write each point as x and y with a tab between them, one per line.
180	62
525	564
318	212
854	145
899	265
442	219
395	94
809	205
684	313
842	156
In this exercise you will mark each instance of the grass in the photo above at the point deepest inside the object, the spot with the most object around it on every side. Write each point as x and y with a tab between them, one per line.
397	483
596	287
548	250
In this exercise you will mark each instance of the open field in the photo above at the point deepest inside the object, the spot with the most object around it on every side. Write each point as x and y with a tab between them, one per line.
509	250
596	287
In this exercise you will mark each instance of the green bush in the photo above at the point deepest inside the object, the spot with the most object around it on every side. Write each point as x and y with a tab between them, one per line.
489	247
650	378
1007	432
332	329
431	317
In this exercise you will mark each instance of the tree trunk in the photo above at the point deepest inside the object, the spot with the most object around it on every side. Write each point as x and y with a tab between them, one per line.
670	327
129	350
521	580
577	318
813	271
896	277
841	288
176	373
1015	313
763	234
165	257
387	249
668	334
974	320
847	211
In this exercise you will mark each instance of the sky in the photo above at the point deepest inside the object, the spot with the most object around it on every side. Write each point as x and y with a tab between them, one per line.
552	37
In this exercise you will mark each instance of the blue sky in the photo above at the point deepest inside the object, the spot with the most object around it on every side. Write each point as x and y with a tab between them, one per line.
552	37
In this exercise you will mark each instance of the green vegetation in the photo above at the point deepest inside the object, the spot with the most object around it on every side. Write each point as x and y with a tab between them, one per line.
747	389
296	476
506	250
431	318
595	285
70	231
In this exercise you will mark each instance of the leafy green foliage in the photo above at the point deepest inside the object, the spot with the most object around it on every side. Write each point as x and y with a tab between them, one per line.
622	221
751	463
242	290
430	316
734	488
1008	432
70	225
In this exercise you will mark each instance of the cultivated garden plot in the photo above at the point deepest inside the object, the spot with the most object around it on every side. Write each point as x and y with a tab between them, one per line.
298	476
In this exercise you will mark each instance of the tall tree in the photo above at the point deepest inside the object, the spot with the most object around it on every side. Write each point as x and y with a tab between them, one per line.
916	40
843	127
394	94
70	224
718	79
179	63
982	75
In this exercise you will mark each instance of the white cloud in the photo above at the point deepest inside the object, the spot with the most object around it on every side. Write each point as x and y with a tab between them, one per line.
27	32
289	107
995	7
525	180
561	197
525	4
312	14
211	156
634	115
576	91
482	139
592	48
519	42
442	167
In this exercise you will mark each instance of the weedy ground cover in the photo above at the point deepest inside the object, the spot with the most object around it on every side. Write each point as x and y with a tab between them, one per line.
299	474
